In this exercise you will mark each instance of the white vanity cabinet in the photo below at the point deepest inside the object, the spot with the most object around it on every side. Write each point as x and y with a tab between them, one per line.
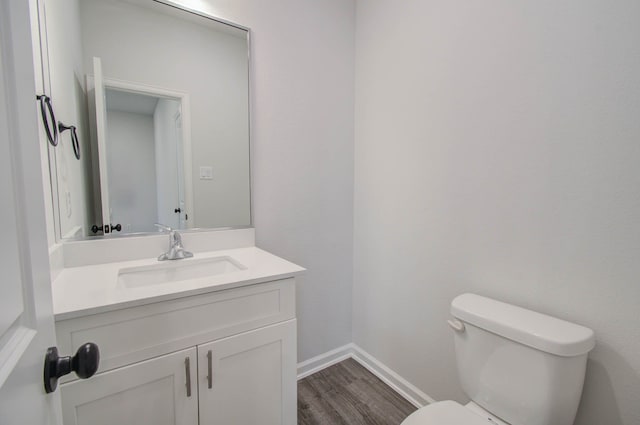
246	379
225	357
149	392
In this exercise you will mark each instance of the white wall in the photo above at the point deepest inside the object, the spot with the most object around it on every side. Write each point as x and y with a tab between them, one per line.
497	152
131	167
140	45
66	78
302	151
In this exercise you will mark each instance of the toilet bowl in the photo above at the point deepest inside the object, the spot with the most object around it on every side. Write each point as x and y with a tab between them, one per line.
451	413
543	357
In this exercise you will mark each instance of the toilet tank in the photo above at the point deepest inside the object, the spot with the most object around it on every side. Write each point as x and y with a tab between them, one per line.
524	367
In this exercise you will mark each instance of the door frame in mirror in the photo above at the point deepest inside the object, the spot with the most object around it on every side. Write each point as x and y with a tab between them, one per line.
155	91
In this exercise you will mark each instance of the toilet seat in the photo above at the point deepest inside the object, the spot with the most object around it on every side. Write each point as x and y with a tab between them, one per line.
445	413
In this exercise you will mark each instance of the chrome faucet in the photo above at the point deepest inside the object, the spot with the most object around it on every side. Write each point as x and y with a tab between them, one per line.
176	251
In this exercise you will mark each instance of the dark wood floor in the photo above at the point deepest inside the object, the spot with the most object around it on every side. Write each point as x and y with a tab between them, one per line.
348	394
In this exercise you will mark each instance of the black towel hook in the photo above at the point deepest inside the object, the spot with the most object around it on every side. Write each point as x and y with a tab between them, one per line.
45	106
74	137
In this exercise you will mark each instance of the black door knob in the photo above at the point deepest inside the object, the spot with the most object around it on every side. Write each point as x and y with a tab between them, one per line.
117	227
84	364
177	210
104	229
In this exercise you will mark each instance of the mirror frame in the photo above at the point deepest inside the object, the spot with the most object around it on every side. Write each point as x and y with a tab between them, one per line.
52	162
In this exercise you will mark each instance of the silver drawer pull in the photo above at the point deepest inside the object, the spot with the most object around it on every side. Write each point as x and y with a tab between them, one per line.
210	370
187	369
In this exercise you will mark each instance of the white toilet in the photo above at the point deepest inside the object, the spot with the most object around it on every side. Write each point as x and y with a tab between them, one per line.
518	367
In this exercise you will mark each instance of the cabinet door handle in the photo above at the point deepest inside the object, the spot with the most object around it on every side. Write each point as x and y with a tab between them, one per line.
187	369
210	370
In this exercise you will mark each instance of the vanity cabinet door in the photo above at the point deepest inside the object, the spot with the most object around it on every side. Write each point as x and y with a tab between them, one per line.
250	378
153	392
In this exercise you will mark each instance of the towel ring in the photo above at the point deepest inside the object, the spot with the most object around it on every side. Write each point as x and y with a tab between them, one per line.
74	137
45	106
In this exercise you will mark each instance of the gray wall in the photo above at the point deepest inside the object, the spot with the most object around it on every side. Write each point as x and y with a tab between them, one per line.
497	151
302	147
131	166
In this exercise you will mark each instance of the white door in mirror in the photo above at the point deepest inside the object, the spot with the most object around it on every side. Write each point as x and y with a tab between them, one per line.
101	138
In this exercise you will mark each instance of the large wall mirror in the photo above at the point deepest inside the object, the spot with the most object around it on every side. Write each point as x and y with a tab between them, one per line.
159	99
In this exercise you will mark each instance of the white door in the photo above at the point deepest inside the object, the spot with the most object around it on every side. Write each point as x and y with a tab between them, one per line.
160	391
166	167
183	214
250	378
26	318
101	136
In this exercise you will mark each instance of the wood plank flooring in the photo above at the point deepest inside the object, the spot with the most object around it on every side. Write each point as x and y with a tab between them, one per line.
348	394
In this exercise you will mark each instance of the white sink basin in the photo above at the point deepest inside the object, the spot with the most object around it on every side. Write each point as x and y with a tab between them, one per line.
178	270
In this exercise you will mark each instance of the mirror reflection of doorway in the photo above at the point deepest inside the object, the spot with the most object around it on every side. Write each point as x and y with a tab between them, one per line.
145	167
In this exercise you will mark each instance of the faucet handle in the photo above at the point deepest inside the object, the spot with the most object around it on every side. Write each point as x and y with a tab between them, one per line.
163	227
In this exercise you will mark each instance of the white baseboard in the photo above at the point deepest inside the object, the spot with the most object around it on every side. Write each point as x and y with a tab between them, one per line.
403	387
317	363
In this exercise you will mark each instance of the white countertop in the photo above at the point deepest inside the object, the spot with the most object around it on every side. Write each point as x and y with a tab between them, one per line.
92	289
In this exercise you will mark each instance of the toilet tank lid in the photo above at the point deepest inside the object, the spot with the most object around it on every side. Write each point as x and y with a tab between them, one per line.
527	327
